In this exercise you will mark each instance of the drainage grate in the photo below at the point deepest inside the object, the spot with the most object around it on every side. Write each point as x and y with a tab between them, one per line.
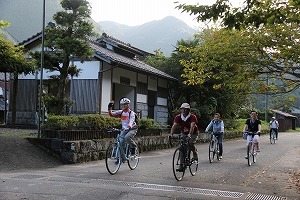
220	193
29	176
253	196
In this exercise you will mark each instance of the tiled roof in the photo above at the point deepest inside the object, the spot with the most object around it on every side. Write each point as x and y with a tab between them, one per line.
284	114
111	57
118	43
31	39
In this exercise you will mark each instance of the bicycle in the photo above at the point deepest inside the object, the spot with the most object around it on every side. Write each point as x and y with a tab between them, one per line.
188	160
273	137
113	159
251	149
213	149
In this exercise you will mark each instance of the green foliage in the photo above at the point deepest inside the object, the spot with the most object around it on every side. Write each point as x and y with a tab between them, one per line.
253	13
147	124
67	40
90	122
84	122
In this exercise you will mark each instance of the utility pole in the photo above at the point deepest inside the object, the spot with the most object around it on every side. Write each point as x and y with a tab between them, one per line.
41	68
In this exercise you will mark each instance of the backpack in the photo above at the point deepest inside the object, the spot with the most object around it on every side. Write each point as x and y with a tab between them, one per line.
136	119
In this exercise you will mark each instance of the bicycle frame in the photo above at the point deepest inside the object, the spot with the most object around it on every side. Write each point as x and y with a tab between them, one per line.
213	149
115	156
251	150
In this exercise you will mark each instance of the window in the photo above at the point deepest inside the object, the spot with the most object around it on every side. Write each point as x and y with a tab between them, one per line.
124	80
162	92
141	88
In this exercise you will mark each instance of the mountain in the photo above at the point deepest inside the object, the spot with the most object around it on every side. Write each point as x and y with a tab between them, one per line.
159	34
26	16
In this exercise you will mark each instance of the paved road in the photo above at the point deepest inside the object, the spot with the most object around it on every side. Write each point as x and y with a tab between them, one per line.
270	178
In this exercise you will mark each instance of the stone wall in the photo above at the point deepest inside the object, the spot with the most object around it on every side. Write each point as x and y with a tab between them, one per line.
90	150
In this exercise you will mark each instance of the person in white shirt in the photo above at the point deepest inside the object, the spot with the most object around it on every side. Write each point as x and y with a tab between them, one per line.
274	126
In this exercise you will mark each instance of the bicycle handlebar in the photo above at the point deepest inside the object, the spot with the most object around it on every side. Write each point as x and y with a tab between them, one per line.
252	133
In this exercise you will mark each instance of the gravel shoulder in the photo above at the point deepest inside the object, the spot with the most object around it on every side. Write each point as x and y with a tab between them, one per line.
16	153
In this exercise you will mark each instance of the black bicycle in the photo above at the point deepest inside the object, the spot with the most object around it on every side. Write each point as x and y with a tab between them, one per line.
113	158
213	149
188	161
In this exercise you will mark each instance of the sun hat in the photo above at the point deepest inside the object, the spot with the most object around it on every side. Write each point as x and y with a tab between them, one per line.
185	105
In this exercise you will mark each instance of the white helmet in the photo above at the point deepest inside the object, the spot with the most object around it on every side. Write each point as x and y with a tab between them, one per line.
124	101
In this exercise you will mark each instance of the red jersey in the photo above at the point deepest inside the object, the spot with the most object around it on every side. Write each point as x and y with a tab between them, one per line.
186	125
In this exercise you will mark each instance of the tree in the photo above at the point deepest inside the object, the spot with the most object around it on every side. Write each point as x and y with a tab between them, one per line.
68	39
253	13
273	27
14	60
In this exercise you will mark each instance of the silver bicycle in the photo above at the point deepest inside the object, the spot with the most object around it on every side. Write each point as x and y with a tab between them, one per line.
113	158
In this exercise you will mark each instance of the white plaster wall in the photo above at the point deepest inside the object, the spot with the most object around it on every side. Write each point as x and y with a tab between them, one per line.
142	78
106	88
152	83
162	101
89	70
141	98
162	83
118	72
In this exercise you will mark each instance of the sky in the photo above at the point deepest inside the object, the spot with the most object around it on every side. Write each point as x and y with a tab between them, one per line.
137	12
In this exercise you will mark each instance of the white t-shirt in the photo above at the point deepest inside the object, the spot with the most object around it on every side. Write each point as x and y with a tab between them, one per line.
274	124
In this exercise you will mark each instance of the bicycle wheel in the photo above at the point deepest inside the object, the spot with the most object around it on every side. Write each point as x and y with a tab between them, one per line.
176	161
211	152
112	160
217	151
193	164
133	161
249	154
273	136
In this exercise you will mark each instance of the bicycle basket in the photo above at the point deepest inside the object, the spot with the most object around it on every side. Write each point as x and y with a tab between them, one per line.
244	136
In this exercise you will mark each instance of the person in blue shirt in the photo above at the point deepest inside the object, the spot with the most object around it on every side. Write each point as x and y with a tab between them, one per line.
218	130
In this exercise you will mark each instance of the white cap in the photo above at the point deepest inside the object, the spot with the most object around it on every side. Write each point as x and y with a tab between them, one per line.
185	105
273	117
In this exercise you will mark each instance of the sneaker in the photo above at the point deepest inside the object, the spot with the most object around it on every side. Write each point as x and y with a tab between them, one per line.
246	157
117	162
180	168
257	150
221	157
133	152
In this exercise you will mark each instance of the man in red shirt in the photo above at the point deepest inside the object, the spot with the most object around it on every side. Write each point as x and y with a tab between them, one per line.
188	128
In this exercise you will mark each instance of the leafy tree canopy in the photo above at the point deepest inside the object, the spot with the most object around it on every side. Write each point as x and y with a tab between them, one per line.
253	12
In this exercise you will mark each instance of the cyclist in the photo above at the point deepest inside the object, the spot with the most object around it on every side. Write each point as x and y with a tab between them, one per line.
253	125
274	125
218	131
188	128
129	127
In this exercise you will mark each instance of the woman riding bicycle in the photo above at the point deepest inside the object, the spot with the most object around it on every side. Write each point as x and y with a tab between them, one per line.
218	131
253	125
129	127
188	128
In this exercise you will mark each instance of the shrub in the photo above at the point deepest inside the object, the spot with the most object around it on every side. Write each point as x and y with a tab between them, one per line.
90	122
